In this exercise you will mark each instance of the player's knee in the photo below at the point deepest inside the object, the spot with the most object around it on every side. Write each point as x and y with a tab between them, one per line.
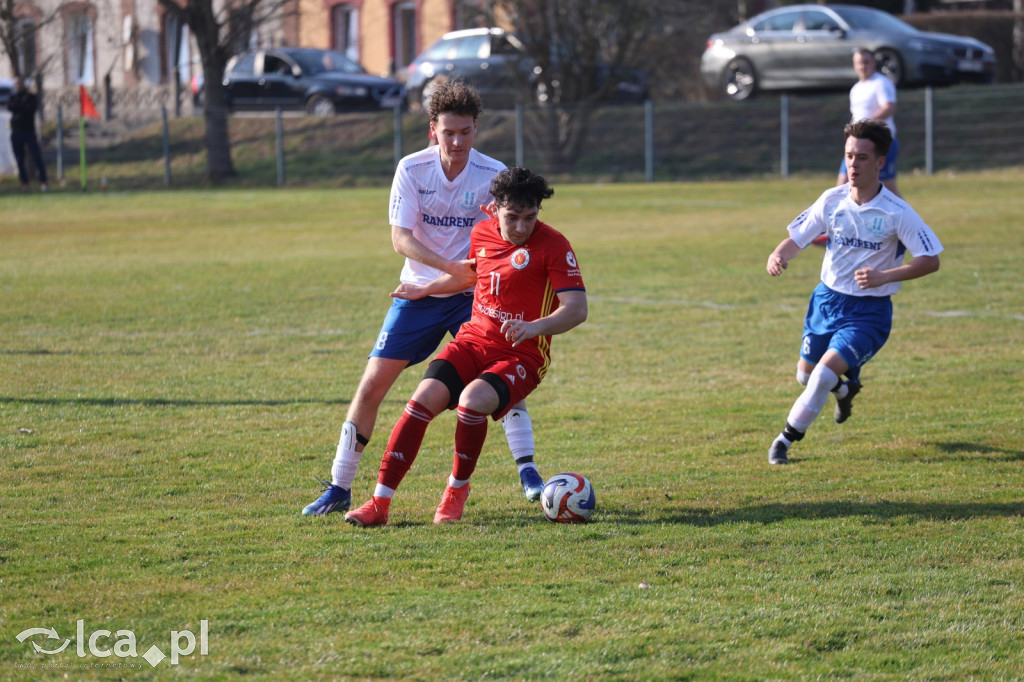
802	377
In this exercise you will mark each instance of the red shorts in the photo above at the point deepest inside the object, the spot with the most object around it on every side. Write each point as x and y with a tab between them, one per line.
471	360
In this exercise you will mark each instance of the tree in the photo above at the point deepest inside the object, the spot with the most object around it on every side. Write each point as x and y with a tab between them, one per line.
219	32
19	31
583	49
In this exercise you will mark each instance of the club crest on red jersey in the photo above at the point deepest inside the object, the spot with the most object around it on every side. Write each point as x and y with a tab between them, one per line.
520	259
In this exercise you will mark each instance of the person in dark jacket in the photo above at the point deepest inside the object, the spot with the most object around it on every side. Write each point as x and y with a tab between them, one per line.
24	105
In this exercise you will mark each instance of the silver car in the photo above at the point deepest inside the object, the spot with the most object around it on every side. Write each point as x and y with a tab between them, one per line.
811	46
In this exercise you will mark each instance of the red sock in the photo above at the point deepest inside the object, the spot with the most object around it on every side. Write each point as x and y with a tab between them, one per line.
404	444
470	434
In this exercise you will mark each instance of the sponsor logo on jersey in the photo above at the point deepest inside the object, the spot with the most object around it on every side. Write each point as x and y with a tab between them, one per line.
570	258
482	253
448	221
427	192
840	240
520	259
511	378
499	315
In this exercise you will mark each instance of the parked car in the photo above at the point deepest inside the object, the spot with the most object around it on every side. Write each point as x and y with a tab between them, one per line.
6	90
811	46
496	63
320	82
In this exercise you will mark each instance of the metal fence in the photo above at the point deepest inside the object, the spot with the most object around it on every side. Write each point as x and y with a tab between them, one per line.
958	128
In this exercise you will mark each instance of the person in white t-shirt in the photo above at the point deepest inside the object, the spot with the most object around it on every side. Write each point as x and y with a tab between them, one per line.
849	316
873	97
436	199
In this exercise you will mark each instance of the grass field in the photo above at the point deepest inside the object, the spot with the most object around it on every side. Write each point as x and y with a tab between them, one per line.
175	367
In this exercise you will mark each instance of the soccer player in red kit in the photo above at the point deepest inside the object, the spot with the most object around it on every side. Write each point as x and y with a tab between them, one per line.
528	288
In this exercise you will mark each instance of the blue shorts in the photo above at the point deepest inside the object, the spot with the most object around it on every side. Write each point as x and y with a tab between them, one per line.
888	171
412	330
856	327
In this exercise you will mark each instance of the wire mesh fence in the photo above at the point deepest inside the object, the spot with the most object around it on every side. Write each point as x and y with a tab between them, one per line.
958	128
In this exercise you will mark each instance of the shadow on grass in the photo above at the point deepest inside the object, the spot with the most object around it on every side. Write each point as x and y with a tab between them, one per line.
811	511
966	449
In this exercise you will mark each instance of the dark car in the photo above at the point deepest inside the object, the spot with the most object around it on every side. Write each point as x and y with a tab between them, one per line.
812	46
496	63
320	82
6	90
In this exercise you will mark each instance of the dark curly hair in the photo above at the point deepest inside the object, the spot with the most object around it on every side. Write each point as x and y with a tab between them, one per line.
875	131
520	187
453	97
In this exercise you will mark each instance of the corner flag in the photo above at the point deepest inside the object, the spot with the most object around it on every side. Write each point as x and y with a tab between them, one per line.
87	109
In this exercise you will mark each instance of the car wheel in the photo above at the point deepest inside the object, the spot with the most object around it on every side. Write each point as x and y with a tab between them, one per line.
320	106
740	81
890	64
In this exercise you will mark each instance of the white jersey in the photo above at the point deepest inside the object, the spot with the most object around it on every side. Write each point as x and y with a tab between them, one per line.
875	235
441	213
867	97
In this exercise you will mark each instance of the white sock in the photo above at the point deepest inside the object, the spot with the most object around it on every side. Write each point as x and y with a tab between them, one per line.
812	400
519	434
383	491
456	483
346	458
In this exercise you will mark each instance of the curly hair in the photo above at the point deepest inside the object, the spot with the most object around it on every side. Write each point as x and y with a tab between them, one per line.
875	131
520	187
454	97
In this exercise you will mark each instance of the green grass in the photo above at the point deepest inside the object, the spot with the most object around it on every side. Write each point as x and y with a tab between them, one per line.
175	367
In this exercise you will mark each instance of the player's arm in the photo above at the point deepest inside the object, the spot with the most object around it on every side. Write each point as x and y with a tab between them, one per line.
445	284
919	266
779	259
571	312
410	247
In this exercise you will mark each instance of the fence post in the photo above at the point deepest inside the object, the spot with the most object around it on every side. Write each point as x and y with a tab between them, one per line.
167	147
929	132
279	135
784	135
60	143
520	147
649	140
399	145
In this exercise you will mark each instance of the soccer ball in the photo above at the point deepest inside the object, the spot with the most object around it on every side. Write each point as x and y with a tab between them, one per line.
567	498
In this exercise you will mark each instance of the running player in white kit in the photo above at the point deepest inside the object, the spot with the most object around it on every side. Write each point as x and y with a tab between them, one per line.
849	317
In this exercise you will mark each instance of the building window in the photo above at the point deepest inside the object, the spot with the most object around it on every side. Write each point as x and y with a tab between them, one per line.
176	50
25	35
345	31
79	47
403	16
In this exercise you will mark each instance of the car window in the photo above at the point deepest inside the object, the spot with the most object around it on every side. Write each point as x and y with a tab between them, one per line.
783	21
819	21
867	19
244	65
500	45
276	66
441	50
473	47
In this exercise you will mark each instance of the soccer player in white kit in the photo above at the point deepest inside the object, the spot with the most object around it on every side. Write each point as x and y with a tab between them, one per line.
873	97
436	199
869	230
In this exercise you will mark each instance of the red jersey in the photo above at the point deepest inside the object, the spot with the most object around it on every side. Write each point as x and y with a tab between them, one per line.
519	282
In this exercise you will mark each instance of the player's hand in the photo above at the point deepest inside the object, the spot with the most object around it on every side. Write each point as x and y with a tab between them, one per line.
776	264
517	331
464	272
409	292
868	278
